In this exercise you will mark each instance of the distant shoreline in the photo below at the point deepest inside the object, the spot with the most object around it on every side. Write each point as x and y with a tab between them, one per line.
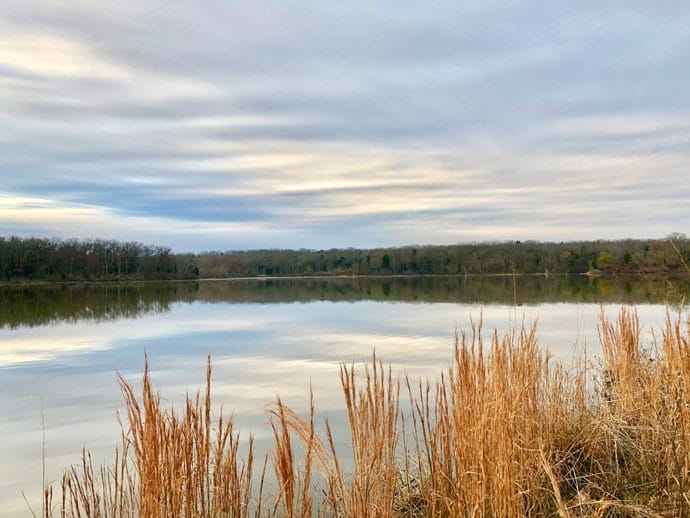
111	282
36	260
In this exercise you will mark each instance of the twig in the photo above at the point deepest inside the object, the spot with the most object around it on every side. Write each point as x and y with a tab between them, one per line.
682	259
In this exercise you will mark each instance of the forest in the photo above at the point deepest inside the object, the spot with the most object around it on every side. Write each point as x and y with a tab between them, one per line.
655	256
41	259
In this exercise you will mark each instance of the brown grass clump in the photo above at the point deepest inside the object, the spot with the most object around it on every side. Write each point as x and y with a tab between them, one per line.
373	414
506	431
644	413
168	464
485	427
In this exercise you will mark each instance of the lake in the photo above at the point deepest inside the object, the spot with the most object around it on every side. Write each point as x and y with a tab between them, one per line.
62	345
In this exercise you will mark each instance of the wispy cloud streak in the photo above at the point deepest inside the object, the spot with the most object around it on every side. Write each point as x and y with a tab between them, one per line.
245	125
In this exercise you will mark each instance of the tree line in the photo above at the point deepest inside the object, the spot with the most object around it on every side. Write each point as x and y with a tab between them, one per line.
95	259
34	259
660	256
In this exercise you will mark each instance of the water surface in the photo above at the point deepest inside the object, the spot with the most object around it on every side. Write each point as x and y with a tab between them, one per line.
62	345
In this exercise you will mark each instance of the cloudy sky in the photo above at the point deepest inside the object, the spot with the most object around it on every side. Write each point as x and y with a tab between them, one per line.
231	124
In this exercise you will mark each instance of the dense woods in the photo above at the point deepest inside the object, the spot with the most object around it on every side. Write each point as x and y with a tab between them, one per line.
71	260
664	256
57	260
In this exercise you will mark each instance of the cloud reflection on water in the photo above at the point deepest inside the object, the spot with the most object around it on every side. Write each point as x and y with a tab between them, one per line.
259	351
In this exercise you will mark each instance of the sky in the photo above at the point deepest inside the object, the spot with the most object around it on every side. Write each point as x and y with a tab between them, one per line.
221	125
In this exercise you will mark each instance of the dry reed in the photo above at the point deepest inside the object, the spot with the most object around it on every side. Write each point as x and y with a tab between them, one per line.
168	464
506	431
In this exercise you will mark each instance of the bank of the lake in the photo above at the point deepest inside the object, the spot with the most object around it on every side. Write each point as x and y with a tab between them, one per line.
36	259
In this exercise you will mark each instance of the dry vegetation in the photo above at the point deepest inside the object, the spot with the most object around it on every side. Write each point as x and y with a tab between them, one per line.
506	431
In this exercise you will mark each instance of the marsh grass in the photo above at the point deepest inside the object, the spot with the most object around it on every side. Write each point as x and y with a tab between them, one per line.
505	431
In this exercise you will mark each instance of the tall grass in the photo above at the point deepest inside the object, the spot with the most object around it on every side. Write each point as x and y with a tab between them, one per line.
505	431
168	464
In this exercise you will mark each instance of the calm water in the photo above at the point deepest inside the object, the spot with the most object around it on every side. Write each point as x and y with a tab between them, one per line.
61	346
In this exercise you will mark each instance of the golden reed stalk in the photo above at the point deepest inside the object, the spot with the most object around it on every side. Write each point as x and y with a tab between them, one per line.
505	432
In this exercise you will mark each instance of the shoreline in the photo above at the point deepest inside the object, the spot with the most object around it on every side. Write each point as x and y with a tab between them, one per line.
111	282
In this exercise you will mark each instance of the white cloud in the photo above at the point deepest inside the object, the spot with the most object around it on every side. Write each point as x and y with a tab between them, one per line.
242	125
